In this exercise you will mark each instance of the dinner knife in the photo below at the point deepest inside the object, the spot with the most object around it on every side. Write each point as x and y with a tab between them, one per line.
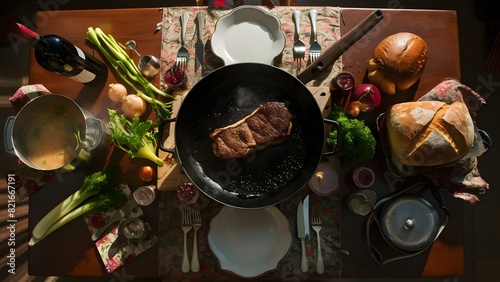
301	234
198	46
117	215
305	206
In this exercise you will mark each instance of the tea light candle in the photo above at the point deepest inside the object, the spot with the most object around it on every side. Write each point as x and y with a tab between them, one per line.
324	181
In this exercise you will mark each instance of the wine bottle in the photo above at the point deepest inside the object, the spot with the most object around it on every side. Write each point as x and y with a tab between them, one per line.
58	55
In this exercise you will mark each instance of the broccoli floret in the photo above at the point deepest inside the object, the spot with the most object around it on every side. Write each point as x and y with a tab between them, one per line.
357	142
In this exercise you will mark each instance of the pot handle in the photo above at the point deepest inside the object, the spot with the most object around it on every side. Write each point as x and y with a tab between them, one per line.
160	135
374	253
94	133
7	133
335	126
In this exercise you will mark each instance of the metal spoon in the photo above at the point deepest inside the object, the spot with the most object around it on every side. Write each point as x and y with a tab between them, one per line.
149	65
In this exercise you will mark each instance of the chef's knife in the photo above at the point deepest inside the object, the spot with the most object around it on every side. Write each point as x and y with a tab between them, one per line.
198	46
117	215
301	233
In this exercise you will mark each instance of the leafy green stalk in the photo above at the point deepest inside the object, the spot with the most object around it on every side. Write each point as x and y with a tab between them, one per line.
103	201
92	185
357	143
133	136
125	67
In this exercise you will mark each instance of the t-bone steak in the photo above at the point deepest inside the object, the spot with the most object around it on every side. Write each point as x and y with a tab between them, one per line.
268	125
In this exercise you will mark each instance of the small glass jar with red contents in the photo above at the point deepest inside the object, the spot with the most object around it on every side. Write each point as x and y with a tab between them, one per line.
342	84
361	177
188	193
175	78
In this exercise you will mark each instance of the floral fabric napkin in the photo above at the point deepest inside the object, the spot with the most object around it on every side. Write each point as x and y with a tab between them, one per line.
28	180
129	250
462	180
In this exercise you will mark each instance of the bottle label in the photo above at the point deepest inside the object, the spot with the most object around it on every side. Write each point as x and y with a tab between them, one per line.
85	76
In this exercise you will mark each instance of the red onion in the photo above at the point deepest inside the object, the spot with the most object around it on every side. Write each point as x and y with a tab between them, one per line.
368	95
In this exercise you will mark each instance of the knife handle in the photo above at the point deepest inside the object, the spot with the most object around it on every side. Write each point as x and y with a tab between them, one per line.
303	258
184	20
200	16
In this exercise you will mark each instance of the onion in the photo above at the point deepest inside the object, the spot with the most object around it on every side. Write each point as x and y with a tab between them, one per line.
133	105
146	173
368	95
117	92
354	108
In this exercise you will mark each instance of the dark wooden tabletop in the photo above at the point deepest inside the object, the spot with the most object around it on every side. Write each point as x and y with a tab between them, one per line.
72	253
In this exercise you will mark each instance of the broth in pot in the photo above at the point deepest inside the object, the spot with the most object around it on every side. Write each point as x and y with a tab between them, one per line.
51	138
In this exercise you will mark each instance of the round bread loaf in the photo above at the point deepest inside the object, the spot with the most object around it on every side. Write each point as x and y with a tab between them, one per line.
429	133
398	62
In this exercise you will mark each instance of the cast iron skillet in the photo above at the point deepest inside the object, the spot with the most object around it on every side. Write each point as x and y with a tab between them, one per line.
266	177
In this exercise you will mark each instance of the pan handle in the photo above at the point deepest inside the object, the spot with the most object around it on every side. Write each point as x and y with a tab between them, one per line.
160	135
335	126
332	53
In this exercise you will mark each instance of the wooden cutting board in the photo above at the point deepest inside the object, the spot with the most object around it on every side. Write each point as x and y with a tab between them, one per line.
171	174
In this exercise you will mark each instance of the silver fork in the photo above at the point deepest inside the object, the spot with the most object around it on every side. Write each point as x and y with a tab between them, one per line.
315	49
316	226
195	263
299	48
183	53
186	227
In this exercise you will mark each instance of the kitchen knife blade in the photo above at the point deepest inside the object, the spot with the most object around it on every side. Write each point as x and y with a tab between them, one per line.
305	206
198	46
117	215
301	234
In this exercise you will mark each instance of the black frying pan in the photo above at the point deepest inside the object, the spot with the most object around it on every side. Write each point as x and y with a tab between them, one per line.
230	93
266	177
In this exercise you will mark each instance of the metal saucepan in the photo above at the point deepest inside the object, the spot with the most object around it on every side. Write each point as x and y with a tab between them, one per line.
51	132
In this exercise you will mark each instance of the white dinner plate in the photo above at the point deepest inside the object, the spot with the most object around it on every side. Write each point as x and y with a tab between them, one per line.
248	35
249	242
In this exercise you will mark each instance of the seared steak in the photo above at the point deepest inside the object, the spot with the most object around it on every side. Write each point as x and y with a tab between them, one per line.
268	125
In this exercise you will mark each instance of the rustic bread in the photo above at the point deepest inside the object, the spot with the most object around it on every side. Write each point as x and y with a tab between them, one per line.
429	133
398	62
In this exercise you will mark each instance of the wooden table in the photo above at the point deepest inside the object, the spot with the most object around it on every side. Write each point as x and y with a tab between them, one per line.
72	253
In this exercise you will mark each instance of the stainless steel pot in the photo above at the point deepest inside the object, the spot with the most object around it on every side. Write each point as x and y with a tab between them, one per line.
88	131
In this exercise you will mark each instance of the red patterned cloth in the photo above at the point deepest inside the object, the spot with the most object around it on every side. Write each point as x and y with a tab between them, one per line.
463	179
28	180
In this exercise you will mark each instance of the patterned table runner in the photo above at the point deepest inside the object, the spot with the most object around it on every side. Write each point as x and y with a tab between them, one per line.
170	239
328	31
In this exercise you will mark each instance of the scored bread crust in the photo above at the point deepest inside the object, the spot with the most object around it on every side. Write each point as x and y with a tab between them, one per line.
398	61
429	133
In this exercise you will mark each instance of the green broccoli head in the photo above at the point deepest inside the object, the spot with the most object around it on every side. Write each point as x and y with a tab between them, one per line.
357	143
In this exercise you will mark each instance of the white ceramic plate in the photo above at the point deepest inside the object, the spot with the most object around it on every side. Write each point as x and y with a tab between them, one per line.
248	34
249	242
